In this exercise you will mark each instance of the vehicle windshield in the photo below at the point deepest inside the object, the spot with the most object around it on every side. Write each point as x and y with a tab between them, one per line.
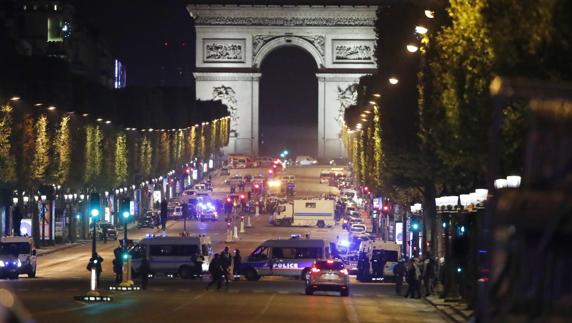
324	265
14	248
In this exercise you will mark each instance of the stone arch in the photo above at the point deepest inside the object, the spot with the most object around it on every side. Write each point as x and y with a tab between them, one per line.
283	41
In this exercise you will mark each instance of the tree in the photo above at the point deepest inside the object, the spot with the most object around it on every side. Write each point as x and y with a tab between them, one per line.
121	166
7	159
146	155
41	160
62	149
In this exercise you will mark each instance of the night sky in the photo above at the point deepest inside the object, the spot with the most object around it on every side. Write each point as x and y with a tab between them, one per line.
154	38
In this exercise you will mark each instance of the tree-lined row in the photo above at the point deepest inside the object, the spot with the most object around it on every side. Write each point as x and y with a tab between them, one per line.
42	147
432	92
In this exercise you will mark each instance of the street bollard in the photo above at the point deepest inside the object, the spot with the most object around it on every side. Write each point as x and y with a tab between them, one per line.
248	224
242	225
228	235
235	233
257	211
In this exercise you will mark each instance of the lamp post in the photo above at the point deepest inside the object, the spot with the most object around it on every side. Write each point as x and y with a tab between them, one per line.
126	257
43	199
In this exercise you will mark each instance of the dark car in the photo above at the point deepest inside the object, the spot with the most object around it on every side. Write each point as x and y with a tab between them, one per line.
328	275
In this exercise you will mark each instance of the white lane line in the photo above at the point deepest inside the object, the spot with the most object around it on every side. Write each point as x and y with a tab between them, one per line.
189	302
350	310
265	308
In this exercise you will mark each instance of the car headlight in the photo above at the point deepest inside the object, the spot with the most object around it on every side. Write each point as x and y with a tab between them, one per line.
2	263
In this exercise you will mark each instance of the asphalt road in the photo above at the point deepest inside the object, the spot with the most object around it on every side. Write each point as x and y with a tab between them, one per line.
63	275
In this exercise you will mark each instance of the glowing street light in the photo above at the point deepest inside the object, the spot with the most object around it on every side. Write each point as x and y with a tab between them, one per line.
412	48
51	108
393	80
421	30
15	98
430	14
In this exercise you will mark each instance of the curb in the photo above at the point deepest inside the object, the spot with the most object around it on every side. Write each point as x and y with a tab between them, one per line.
449	311
68	246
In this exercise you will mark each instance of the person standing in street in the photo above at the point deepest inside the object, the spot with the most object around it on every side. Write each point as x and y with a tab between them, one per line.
17	218
144	270
118	268
236	261
412	281
164	212
399	272
428	274
215	270
225	261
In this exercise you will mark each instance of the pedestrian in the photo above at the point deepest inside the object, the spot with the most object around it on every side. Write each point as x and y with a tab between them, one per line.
197	260
104	232
144	270
236	261
164	212
118	268
375	266
412	280
363	267
95	263
428	274
225	262
17	218
215	270
399	272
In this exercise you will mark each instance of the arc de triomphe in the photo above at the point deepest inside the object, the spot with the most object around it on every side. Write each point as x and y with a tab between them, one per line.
232	41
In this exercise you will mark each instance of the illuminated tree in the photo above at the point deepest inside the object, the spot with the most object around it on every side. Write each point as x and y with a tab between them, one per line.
27	151
213	142
146	155
121	166
377	151
41	160
62	150
7	159
193	142
179	146
203	143
164	152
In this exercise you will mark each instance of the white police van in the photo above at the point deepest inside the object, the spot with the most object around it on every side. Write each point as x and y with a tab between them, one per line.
173	255
19	253
287	257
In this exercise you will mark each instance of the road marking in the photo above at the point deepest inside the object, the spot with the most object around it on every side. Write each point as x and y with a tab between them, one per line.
350	310
189	302
265	308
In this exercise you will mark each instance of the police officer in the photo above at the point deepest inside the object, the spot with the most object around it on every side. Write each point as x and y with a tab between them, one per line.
236	261
363	266
225	261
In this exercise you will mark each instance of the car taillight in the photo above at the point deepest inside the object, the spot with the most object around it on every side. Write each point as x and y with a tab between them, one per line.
330	261
344	271
315	270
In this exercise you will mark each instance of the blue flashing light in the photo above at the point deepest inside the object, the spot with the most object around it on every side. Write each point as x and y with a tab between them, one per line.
344	243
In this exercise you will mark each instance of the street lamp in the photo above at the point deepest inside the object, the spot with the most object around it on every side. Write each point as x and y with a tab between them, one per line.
412	48
43	199
421	30
393	80
429	14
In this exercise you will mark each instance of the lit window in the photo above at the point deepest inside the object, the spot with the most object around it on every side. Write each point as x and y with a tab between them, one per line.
55	7
25	7
55	29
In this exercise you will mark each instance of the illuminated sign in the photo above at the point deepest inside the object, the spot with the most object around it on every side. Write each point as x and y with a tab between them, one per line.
211	164
399	232
285	265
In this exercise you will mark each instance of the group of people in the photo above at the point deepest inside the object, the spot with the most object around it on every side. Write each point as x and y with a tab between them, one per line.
220	265
419	273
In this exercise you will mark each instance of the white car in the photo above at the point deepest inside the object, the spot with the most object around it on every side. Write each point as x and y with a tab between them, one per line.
358	228
17	257
305	161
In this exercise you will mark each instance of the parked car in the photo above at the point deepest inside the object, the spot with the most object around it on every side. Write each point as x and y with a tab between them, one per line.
104	231
305	161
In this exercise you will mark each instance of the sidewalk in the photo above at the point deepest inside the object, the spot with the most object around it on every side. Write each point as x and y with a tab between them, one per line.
456	310
46	250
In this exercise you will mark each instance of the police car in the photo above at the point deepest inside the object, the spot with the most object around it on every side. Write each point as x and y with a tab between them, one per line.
288	257
17	256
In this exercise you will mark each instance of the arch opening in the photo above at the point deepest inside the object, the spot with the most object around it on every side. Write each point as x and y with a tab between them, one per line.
288	102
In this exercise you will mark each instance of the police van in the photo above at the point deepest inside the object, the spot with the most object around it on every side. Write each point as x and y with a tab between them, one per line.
385	252
288	257
173	255
17	257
